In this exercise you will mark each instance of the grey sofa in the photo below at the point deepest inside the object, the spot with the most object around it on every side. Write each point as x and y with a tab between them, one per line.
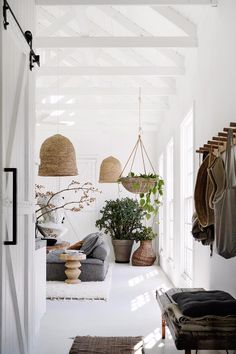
93	268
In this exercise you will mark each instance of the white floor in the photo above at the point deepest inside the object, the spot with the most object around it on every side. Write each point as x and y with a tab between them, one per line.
131	310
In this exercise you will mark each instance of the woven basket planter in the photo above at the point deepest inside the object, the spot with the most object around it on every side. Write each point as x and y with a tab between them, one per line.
144	255
137	185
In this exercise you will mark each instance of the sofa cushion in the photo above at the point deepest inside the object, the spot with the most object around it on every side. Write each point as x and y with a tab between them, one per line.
91	270
90	242
101	252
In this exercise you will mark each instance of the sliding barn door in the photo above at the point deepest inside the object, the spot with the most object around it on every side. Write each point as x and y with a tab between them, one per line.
16	193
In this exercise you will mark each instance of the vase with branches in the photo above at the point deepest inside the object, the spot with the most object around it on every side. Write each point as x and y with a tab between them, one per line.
52	205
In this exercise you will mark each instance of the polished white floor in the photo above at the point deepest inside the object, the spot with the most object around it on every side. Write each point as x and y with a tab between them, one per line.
131	310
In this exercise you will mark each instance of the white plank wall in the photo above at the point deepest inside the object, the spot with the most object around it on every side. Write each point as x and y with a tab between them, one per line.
17	130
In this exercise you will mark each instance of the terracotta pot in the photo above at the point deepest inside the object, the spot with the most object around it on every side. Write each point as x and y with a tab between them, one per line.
144	255
122	250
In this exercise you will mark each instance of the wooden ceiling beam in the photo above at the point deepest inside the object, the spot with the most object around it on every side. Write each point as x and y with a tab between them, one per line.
116	42
125	2
110	71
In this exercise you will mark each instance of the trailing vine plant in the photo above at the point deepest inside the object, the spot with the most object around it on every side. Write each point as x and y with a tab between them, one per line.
150	201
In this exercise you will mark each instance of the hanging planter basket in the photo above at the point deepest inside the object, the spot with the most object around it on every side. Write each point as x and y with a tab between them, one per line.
138	185
141	183
144	182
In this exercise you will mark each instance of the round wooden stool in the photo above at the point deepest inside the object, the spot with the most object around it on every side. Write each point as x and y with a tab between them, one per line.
72	266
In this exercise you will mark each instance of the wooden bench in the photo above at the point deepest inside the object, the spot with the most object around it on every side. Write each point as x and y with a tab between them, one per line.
192	340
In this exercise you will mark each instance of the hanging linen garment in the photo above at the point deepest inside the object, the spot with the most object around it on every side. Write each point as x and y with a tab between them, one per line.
225	207
202	192
216	173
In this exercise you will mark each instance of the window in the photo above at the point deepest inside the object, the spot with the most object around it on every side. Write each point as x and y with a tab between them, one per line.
187	195
161	221
170	199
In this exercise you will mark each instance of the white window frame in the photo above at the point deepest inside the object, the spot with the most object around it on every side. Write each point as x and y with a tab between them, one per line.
186	196
170	199
161	208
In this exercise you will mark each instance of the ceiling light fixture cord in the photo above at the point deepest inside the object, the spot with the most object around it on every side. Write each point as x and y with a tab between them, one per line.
140	131
139	112
137	144
57	90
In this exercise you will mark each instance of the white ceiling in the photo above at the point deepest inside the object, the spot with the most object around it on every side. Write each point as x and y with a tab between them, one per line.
91	71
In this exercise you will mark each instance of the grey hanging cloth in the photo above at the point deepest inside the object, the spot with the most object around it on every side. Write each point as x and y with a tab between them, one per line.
225	207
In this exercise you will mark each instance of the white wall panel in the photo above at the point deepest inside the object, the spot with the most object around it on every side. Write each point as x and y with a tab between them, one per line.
210	85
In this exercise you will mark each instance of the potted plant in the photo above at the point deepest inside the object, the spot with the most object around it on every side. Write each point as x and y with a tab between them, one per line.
122	220
150	202
144	255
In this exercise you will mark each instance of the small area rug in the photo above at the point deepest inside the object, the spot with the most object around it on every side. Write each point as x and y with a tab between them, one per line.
91	290
107	345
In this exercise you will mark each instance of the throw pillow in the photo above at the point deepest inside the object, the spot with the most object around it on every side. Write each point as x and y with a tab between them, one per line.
100	253
90	242
76	246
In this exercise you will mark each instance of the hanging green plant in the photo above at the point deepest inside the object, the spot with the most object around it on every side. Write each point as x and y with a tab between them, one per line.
150	200
149	186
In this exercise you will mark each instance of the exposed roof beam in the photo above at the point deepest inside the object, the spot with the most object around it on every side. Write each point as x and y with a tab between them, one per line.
105	91
142	60
125	2
137	30
115	42
150	116
57	24
111	71
132	106
124	21
177	19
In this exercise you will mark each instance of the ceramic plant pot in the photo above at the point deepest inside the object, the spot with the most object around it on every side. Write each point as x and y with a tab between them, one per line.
122	250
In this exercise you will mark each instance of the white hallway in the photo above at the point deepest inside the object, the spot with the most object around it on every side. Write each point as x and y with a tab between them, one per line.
131	310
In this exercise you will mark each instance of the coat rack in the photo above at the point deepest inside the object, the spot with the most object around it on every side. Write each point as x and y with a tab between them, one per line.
33	58
218	142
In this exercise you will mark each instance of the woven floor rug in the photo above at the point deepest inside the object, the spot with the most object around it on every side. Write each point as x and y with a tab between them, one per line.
107	345
91	290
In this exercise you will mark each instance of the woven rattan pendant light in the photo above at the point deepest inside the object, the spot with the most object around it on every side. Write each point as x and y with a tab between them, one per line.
57	153
110	170
57	157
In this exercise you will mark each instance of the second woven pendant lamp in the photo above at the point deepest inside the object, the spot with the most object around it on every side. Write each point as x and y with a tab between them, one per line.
110	170
57	157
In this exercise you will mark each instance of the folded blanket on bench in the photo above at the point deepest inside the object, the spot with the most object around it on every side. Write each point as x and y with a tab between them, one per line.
204	323
205	303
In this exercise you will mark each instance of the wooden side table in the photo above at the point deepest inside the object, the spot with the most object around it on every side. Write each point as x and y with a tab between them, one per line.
72	266
58	246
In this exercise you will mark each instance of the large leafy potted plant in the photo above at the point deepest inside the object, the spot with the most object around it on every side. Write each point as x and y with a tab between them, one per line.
122	220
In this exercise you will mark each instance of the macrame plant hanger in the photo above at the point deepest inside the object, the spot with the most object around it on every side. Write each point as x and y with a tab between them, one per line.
131	183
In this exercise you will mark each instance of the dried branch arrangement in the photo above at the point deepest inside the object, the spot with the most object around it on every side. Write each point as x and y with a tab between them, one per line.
83	195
